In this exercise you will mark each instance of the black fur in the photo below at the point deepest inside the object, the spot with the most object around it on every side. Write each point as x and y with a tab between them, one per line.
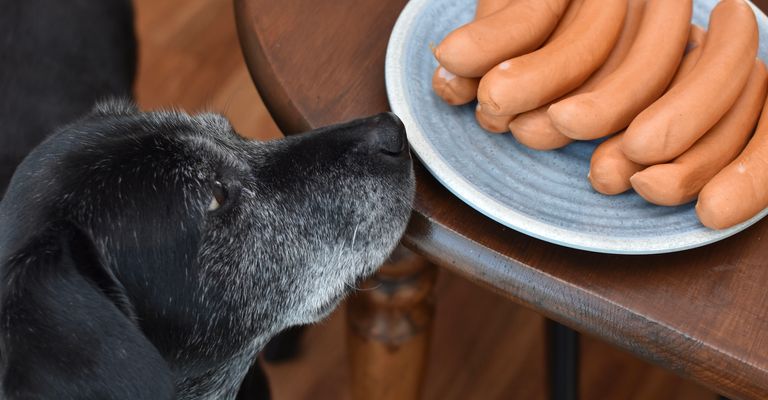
68	333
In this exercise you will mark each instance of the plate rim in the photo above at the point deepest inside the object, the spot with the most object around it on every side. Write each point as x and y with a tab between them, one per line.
455	182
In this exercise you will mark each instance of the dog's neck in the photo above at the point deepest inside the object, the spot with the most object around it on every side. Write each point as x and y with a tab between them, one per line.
221	381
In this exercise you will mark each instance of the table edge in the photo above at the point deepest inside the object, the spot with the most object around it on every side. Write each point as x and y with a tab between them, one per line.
440	247
275	98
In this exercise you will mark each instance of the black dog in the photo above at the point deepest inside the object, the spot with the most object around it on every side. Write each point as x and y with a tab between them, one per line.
152	255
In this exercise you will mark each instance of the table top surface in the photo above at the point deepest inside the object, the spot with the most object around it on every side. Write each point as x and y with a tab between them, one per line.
702	313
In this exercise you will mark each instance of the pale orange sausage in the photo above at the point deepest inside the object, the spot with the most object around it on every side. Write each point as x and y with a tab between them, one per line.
620	97
568	16
686	112
740	190
492	123
680	181
695	38
692	55
518	28
457	90
533	128
453	89
610	170
487	7
529	81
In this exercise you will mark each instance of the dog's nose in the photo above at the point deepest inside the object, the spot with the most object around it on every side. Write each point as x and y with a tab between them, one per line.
389	134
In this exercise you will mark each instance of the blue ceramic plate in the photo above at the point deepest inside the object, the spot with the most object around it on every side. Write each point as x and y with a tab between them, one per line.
542	194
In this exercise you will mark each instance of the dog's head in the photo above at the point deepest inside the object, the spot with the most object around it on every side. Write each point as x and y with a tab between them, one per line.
167	239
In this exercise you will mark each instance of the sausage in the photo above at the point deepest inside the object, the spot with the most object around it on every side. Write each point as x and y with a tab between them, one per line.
487	7
492	123
610	169
534	128
695	38
692	54
687	111
654	56
529	81
740	190
567	18
453	89
457	90
680	181
518	28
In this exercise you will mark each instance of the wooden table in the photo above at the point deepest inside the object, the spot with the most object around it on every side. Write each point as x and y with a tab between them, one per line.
702	313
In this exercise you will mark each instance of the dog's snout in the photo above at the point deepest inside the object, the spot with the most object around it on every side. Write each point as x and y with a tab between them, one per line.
381	135
389	134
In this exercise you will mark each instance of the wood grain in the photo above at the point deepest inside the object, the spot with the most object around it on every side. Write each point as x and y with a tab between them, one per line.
700	313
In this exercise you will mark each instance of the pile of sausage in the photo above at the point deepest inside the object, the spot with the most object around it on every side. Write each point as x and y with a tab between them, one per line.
679	105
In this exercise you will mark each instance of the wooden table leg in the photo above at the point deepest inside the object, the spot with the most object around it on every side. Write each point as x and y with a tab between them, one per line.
389	327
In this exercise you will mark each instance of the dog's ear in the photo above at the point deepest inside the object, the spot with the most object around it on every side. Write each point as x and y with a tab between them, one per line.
67	330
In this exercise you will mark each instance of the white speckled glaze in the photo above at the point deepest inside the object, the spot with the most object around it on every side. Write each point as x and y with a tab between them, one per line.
543	194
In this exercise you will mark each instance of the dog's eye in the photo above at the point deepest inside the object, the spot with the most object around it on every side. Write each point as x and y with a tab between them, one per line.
219	196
